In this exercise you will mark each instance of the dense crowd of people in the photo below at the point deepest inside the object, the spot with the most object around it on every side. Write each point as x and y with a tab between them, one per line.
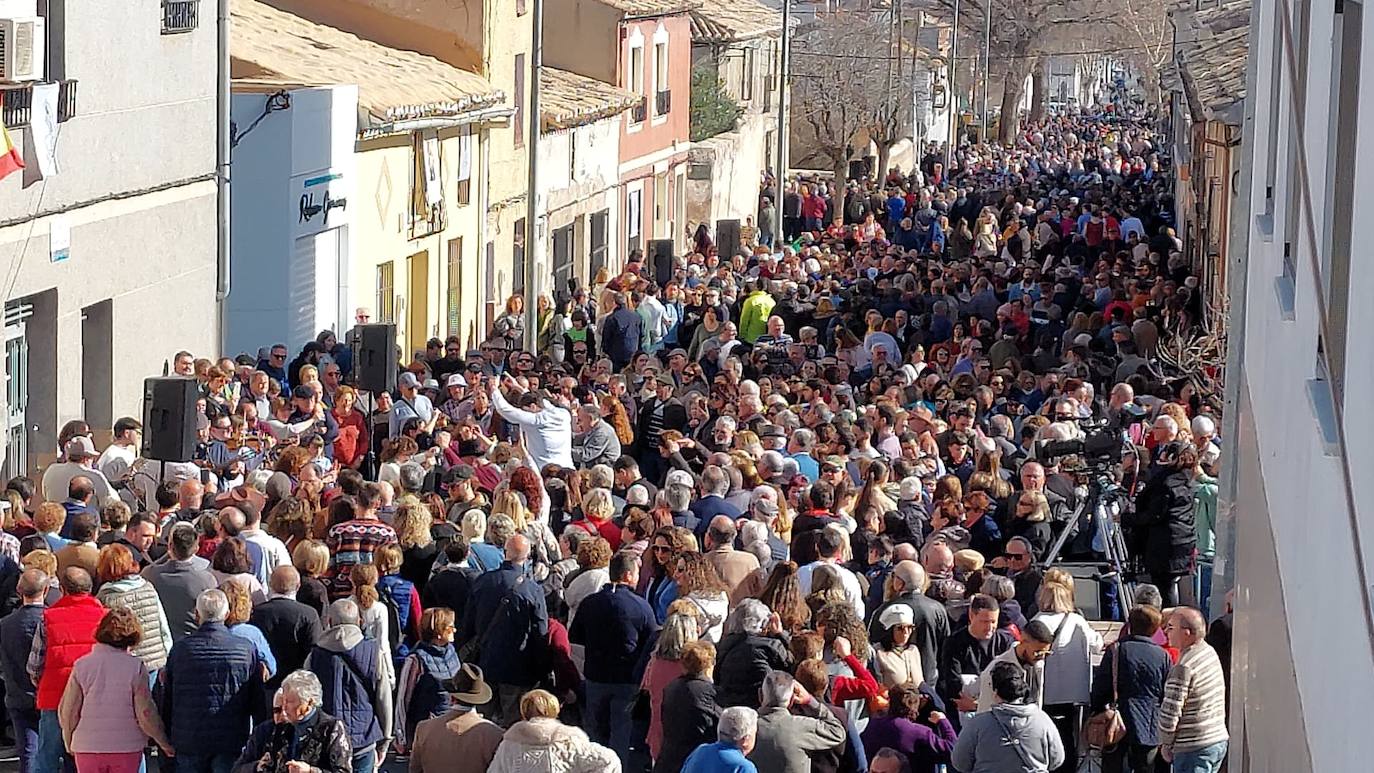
787	509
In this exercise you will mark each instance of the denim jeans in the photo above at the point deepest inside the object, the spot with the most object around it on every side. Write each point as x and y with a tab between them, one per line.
204	763
1205	760
607	715
25	723
365	760
52	754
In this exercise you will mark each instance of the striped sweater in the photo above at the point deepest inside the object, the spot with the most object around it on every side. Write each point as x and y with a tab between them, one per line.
1193	715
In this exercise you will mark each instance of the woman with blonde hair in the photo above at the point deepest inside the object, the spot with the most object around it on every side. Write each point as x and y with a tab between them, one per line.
481	556
539	743
543	545
593	558
416	542
311	559
699	583
420	692
240	609
678	631
1031	521
1068	669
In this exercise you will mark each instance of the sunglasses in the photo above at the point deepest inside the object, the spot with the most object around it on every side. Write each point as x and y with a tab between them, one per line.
662	549
1016	556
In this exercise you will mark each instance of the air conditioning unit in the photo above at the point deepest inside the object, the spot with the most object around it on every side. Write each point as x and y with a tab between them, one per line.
21	48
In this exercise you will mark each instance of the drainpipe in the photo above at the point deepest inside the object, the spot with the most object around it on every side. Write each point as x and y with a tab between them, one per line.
222	97
534	227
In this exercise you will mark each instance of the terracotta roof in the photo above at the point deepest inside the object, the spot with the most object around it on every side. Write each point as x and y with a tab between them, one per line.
724	21
271	46
567	99
646	8
1211	64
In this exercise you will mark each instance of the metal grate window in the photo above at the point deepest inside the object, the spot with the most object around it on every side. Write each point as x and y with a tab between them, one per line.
455	285
16	103
180	16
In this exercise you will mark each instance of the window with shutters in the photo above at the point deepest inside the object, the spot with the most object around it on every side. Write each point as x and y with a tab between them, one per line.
455	286
519	100
386	292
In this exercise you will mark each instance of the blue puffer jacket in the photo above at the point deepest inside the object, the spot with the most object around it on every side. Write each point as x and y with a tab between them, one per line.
348	688
211	683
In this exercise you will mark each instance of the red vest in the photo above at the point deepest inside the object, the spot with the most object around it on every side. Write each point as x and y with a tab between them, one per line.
70	628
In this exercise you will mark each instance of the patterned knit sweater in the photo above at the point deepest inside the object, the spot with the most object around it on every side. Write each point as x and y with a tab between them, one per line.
1193	715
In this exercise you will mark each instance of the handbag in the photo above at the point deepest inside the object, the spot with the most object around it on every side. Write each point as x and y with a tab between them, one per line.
1106	729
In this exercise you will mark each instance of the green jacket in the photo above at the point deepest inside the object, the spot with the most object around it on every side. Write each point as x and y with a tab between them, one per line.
753	316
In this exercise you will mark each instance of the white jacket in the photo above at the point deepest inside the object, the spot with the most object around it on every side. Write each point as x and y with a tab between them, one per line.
1069	668
549	746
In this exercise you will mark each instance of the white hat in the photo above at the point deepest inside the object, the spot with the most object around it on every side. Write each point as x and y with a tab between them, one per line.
457	380
897	614
680	477
79	447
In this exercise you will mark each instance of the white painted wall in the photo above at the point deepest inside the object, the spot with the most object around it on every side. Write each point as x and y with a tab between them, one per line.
286	262
135	189
580	173
1305	669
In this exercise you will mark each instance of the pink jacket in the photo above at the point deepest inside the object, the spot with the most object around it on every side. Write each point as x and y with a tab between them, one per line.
106	707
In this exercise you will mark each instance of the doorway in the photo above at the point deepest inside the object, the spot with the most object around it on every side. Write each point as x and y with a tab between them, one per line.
417	301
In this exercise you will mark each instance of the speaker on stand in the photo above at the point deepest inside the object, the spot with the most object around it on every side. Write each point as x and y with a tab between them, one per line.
169	418
728	238
661	252
374	357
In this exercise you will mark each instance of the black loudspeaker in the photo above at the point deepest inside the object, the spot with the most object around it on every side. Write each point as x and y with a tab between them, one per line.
727	238
169	418
661	252
374	358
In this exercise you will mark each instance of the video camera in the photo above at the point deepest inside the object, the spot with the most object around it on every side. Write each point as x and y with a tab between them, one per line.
1101	443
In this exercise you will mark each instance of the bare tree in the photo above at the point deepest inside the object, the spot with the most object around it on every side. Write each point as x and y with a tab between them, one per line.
840	89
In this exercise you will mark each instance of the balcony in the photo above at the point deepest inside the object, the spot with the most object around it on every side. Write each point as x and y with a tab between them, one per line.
16	103
638	113
663	102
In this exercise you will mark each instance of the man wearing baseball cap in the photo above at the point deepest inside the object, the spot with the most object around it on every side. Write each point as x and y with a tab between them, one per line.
81	456
410	404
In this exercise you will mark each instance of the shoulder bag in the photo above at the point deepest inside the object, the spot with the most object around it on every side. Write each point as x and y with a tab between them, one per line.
1106	729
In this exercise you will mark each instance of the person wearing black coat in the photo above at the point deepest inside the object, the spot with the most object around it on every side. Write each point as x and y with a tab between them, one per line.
930	618
290	627
17	630
1161	526
620	334
690	712
450	585
1141	667
746	654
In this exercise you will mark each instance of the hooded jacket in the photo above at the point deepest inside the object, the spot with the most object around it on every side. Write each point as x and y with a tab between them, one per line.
1010	738
549	746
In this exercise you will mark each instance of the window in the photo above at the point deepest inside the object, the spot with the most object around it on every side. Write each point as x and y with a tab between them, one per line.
636	83
454	288
662	94
519	100
660	205
1276	97
747	79
600	221
518	258
465	166
634	219
180	16
426	185
1340	169
386	292
562	256
572	156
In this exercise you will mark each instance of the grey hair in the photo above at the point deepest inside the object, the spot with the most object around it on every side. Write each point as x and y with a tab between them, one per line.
736	724
999	587
888	753
212	606
600	476
773	460
412	476
500	527
1147	594
342	612
727	421
805	439
677	632
750	617
715	481
776	690
305	686
678	498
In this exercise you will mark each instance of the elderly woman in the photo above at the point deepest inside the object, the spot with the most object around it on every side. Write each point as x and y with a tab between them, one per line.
688	712
303	737
240	609
107	713
121	586
540	743
752	646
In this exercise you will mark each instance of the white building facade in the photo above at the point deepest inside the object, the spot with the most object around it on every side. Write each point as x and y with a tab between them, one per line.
101	248
1299	423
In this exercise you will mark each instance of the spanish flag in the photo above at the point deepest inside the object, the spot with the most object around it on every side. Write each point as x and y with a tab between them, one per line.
9	154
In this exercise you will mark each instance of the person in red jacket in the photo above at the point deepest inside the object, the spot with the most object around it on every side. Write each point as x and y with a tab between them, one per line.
65	634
